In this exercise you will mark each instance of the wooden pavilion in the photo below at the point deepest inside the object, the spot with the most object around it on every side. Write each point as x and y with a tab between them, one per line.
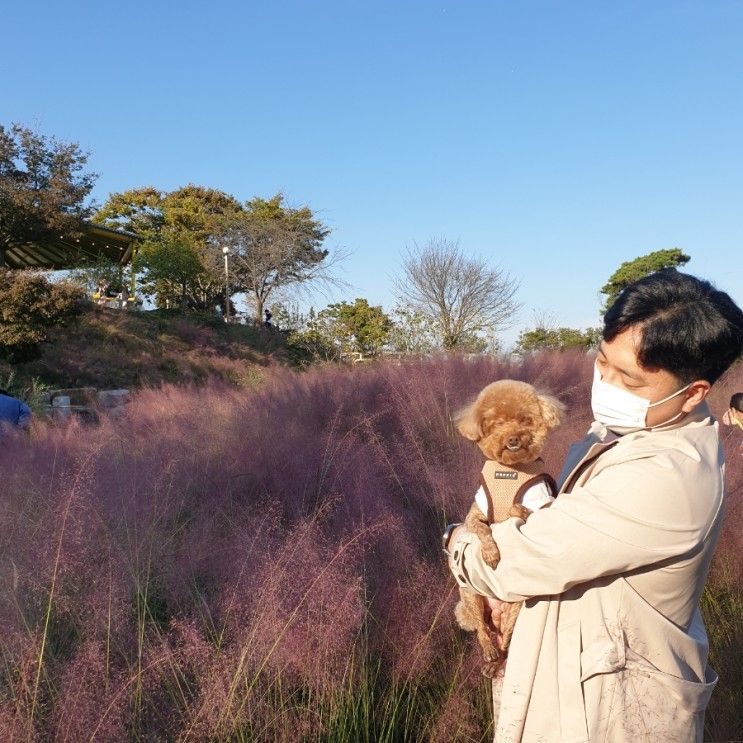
92	244
61	253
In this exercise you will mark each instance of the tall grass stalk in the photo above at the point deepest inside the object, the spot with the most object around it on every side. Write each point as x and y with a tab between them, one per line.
50	601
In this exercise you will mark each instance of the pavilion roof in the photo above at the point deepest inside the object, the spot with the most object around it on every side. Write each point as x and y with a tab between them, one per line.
93	243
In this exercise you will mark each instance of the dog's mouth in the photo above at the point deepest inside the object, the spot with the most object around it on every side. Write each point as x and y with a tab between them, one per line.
516	448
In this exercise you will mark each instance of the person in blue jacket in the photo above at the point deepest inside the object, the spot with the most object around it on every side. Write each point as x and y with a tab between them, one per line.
13	412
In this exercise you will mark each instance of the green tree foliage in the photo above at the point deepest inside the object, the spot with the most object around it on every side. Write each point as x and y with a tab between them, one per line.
412	331
138	210
192	217
43	187
477	343
335	332
557	339
307	337
29	306
631	271
181	260
356	327
273	245
179	257
172	272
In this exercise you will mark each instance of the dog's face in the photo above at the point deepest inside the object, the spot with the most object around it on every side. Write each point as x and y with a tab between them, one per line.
510	420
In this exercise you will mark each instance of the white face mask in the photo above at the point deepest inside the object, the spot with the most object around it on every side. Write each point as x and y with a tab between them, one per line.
618	408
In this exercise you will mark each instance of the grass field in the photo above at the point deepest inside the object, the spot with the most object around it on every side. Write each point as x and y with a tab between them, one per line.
232	564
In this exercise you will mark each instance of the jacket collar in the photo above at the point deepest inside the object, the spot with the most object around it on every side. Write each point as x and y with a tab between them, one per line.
600	438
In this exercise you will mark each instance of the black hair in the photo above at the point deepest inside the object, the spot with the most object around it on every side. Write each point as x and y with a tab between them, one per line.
688	327
736	402
4	392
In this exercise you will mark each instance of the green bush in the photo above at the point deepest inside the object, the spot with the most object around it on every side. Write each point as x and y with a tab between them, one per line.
29	306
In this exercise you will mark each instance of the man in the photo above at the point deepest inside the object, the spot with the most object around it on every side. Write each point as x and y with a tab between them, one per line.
610	644
13	412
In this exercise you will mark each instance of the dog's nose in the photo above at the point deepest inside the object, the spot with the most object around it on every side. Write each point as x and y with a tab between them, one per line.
514	441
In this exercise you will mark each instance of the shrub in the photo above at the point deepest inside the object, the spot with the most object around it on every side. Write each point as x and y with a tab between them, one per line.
29	306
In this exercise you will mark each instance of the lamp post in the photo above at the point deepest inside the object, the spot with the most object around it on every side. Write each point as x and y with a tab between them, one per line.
226	252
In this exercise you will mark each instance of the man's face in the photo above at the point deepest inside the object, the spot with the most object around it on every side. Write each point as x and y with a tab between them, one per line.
618	365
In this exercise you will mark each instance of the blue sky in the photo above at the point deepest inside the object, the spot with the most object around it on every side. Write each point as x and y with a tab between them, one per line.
557	139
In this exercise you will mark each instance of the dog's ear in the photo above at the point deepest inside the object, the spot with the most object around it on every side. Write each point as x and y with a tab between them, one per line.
468	422
552	410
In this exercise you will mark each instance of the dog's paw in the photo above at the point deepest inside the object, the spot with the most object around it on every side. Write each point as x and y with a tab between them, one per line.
491	668
519	511
491	555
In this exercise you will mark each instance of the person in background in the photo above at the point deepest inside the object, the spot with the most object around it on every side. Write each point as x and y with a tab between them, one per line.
734	415
13	412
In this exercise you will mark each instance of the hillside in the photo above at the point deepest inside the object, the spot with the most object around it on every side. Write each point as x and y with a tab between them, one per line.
108	348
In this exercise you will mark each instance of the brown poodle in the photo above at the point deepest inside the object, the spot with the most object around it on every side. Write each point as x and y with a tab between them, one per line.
510	421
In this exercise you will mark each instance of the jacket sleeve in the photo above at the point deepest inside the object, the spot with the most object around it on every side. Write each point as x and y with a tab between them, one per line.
24	415
629	516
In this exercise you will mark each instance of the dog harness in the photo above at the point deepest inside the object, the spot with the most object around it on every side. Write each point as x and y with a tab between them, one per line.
503	486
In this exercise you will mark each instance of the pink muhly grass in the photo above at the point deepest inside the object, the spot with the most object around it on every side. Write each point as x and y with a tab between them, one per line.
225	563
460	715
90	698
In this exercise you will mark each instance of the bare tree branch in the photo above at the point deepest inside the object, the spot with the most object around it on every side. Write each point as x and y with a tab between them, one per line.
462	296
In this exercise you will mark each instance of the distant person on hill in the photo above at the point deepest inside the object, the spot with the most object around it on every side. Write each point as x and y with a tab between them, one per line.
267	321
14	413
734	414
100	292
610	645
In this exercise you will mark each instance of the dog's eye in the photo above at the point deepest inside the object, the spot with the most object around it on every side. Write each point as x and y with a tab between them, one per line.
525	420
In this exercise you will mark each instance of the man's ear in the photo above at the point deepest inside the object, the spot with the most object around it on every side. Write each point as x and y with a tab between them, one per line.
695	393
468	422
552	410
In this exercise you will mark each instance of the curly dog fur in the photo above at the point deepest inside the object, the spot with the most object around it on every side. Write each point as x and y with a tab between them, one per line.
509	420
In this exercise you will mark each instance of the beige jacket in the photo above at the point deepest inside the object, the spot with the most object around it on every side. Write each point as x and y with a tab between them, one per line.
610	644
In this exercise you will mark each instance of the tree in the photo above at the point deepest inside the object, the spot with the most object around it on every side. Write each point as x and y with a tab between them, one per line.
339	329
273	245
412	331
357	327
192	218
172	271
185	230
557	339
308	337
631	271
43	187
178	253
463	297
139	210
29	306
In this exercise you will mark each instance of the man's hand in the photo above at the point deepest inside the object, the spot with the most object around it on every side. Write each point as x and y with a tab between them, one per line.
493	607
493	614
